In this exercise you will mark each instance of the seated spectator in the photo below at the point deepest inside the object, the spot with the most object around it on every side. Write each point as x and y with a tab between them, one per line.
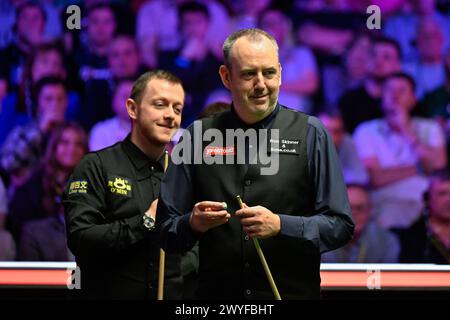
29	28
46	60
45	240
403	26
39	197
214	108
7	245
113	130
428	239
154	36
352	167
435	104
194	62
398	151
24	145
327	27
124	62
351	73
428	70
363	103
248	13
53	25
3	204
299	75
370	243
91	56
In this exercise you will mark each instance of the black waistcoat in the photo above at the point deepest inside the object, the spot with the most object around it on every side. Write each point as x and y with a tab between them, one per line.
229	265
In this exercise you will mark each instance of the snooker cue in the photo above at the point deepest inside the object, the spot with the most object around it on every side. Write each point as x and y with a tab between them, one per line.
162	254
263	260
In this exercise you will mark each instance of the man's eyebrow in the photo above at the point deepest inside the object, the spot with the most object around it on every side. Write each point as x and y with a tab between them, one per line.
244	70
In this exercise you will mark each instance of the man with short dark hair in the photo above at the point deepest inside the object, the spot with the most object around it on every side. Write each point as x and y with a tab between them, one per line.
110	200
399	151
24	146
193	61
364	103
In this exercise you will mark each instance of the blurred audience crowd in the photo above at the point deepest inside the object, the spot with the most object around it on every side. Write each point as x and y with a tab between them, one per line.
383	94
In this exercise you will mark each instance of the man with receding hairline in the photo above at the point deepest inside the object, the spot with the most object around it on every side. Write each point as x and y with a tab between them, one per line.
296	212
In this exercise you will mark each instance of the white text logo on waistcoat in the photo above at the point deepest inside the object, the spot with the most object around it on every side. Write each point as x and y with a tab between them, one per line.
285	146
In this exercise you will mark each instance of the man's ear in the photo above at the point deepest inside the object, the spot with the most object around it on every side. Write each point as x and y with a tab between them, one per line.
225	75
279	64
132	109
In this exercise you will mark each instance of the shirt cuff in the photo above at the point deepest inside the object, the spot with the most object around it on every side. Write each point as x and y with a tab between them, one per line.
137	226
291	226
189	236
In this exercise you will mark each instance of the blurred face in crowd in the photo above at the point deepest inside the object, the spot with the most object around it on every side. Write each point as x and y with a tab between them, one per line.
158	116
254	7
276	24
70	148
52	103
335	127
384	61
124	57
194	24
424	7
101	26
254	78
358	57
30	25
447	64
439	199
430	41
360	206
398	96
120	98
48	63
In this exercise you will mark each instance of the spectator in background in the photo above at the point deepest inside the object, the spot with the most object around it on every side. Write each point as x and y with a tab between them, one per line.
3	204
327	27
403	27
428	70
351	74
428	239
193	62
45	60
7	245
40	196
24	145
299	74
53	26
248	13
370	243
124	58
124	62
398	151
113	130
363	103
214	108
91	57
154	36
29	30
436	103
352	168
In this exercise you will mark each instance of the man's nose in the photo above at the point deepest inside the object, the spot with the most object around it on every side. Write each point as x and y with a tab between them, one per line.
259	82
170	113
